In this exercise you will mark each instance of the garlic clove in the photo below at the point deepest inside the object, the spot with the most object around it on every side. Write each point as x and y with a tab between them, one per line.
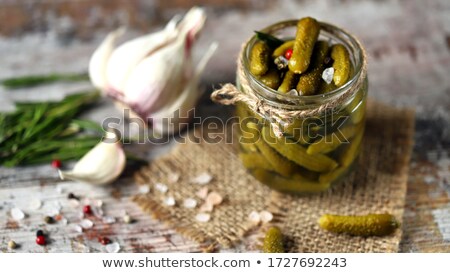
156	79
128	55
99	60
101	165
185	102
170	69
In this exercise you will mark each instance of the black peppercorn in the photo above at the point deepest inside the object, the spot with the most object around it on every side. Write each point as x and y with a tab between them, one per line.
71	196
49	220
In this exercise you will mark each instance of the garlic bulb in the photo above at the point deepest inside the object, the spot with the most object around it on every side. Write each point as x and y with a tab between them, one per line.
101	165
152	75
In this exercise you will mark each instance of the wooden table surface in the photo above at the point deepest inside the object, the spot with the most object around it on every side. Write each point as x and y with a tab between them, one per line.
409	47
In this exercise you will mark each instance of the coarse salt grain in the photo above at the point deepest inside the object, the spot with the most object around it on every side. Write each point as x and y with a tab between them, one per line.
77	228
161	187
98	203
214	198
190	203
108	220
59	189
266	216
173	177
292	92
97	211
206	207
202	179
327	75
202	217
170	201
428	179
80	215
112	248
86	224
254	217
74	203
35	204
17	214
202	193
144	189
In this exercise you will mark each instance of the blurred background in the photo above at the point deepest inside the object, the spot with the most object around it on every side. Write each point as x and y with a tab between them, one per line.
408	42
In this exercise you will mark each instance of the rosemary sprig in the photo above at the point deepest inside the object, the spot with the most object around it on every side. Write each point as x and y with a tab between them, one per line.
35	80
40	132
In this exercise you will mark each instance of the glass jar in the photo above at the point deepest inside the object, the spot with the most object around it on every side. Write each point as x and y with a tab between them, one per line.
314	152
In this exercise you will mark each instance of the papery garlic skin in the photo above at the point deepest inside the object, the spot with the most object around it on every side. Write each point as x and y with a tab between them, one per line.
150	75
103	164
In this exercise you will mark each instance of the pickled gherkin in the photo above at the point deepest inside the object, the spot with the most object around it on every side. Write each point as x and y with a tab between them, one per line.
309	82
297	153
366	225
327	178
279	163
347	157
279	51
326	88
255	161
273	241
307	33
341	64
260	59
332	141
289	82
295	184
357	107
271	78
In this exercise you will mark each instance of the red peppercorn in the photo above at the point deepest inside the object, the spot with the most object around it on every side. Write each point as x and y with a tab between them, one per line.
40	240
104	240
56	164
288	53
87	209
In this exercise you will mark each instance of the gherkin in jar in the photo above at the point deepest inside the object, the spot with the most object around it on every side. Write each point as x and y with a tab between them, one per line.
315	151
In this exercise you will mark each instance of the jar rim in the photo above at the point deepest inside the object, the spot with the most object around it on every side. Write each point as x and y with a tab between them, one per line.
336	33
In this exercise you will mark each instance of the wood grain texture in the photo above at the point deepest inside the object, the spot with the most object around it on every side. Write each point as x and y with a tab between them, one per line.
409	60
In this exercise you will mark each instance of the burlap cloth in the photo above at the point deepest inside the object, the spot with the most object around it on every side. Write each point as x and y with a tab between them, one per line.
377	185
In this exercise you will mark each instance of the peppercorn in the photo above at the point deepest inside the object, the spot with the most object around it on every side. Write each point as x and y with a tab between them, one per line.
49	220
288	53
56	164
40	240
328	61
39	233
104	240
127	219
72	196
87	209
12	244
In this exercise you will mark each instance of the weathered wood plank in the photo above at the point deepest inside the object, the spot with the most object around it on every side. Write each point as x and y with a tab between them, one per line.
408	66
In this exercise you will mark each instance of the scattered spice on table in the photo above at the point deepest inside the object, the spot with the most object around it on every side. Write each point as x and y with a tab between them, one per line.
49	220
104	240
56	164
87	210
40	240
12	244
127	219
